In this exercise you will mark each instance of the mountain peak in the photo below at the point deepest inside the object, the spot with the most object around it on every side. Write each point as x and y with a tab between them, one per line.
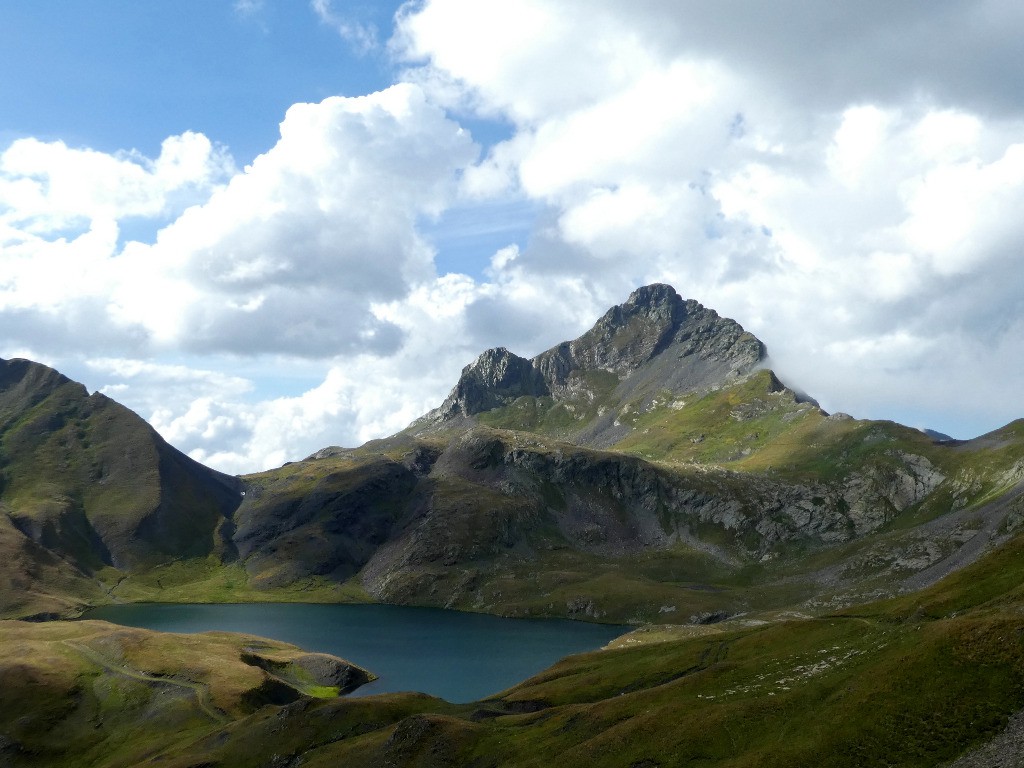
653	295
654	341
625	337
24	384
653	319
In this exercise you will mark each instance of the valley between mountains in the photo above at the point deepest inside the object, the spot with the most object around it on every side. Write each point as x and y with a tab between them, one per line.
808	588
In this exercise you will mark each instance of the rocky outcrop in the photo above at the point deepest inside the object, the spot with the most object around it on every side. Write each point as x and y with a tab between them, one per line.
302	670
496	378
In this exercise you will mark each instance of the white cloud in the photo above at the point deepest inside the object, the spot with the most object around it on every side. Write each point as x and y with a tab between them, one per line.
504	71
960	212
285	257
248	7
60	214
846	181
855	146
295	255
817	173
288	256
361	36
48	187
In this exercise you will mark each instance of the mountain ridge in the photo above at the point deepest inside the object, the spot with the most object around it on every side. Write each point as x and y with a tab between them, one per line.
87	485
678	445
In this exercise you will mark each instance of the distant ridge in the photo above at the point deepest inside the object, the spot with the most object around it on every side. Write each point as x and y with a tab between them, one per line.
941	437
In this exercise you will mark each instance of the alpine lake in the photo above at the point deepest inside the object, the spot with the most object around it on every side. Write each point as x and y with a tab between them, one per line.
456	656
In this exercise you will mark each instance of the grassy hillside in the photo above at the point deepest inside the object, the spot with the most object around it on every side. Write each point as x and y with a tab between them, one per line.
91	693
88	490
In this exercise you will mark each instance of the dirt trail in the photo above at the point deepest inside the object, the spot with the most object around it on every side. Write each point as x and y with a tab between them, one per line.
200	691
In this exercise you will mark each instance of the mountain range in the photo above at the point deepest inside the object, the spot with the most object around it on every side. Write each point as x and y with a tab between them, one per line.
652	471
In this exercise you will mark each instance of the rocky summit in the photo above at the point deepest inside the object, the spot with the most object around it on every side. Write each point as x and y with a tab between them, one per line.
695	346
655	342
782	565
496	378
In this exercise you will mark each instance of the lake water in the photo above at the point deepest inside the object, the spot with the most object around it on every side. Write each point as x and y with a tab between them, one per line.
457	656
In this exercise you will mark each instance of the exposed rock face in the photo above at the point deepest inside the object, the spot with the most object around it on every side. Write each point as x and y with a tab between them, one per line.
494	379
330	670
321	669
654	320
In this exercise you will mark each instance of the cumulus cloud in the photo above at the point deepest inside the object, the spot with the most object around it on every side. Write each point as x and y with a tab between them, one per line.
289	255
286	256
844	180
48	187
823	56
61	210
292	257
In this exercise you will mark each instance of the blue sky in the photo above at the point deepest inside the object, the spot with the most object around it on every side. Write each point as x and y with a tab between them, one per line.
272	226
124	74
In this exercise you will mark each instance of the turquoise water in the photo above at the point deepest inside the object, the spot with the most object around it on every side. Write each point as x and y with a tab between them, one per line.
455	656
